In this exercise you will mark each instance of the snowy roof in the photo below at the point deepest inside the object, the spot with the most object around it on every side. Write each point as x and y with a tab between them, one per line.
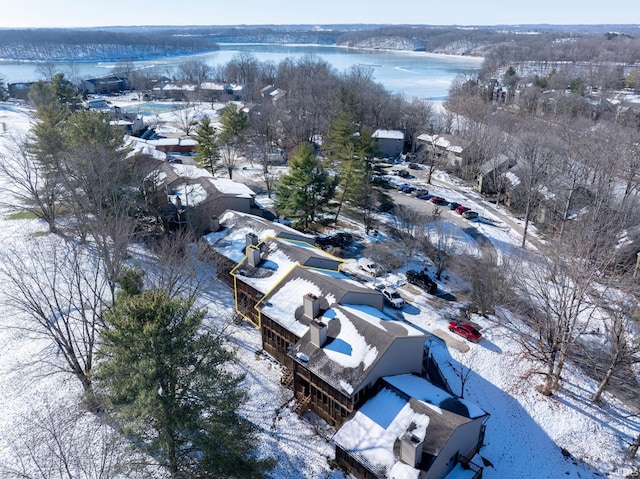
388	134
407	403
278	257
172	142
358	331
495	163
230	240
229	187
212	86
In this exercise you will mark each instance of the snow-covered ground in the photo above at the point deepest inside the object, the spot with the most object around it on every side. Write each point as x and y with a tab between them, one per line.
528	435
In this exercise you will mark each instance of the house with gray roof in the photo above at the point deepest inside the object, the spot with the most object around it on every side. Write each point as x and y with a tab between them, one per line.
233	231
267	264
191	197
388	143
412	429
336	338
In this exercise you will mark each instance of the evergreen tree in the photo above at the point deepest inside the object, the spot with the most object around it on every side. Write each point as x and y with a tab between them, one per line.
234	122
170	388
64	92
207	152
4	93
303	193
349	151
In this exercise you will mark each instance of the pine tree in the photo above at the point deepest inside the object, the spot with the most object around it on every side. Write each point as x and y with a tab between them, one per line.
234	123
349	150
169	387
207	152
306	190
4	93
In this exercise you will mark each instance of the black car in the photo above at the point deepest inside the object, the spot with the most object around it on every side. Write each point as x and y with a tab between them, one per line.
339	240
422	280
453	205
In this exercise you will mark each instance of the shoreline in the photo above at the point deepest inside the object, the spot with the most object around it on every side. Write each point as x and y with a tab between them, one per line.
205	52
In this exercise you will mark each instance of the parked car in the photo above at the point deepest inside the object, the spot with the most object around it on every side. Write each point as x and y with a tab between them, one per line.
437	200
422	280
339	240
404	174
414	166
461	209
392	297
371	267
470	214
425	197
466	330
453	205
420	192
407	189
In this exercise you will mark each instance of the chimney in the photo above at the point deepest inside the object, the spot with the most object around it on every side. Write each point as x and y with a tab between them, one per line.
214	224
253	255
251	239
318	333
411	449
311	305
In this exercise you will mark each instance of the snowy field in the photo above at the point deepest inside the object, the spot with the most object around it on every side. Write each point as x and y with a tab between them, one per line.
528	435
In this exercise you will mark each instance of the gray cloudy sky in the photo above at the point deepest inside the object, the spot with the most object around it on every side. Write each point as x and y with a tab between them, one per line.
85	13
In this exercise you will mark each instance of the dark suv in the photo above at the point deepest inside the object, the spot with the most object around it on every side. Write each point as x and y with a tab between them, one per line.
339	240
422	280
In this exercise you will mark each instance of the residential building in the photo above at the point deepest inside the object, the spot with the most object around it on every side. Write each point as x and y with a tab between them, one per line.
345	354
411	429
388	143
445	148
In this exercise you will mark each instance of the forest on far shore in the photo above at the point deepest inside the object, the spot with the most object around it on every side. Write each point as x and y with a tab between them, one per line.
572	43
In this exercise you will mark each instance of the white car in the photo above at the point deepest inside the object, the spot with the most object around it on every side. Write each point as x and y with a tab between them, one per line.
392	297
370	267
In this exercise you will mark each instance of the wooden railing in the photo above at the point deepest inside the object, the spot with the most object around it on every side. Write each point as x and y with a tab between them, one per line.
469	464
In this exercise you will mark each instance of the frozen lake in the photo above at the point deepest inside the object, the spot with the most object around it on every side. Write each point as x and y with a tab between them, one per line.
413	74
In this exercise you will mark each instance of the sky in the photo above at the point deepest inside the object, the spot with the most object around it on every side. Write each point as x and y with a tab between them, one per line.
86	13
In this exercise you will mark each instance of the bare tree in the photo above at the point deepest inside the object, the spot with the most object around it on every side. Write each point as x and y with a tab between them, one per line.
47	70
35	186
491	282
61	441
557	308
462	369
534	155
407	229
229	157
439	244
61	289
187	118
622	348
176	266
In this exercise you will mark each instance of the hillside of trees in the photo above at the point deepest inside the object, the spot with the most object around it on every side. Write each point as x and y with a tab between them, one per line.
61	45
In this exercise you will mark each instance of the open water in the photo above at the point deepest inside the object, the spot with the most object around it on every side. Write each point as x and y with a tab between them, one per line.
413	74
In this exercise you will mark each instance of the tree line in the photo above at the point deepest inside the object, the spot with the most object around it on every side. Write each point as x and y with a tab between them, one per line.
155	370
88	44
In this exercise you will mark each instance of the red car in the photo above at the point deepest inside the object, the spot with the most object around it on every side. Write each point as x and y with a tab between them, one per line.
438	200
465	330
461	209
